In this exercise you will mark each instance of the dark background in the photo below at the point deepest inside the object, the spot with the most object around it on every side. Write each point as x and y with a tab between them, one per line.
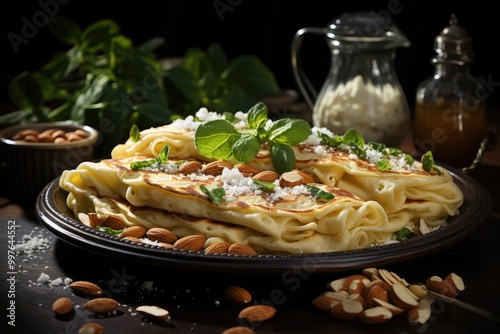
262	28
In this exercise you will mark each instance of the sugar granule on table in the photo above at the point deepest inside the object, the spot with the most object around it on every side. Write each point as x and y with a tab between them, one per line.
30	244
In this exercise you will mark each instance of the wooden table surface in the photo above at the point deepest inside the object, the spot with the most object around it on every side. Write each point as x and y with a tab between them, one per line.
194	297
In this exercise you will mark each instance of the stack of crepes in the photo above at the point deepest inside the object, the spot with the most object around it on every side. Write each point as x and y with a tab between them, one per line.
367	207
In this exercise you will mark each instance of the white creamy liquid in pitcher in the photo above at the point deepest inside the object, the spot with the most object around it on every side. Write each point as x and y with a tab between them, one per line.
377	112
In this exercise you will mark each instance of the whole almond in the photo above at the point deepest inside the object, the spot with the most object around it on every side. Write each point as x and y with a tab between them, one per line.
241	249
266	176
81	133
136	231
58	134
91	328
161	234
71	136
192	242
101	305
218	248
189	167
114	222
86	289
247	169
238	330
152	312
62	306
132	239
237	295
216	167
257	313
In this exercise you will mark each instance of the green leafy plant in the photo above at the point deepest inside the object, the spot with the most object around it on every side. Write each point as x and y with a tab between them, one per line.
105	81
209	79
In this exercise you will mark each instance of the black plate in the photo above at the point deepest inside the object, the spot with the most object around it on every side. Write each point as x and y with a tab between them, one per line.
53	213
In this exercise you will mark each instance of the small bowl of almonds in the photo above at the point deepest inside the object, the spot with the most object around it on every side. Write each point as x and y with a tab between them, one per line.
36	153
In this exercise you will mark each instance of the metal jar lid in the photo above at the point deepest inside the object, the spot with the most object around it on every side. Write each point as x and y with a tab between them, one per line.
453	45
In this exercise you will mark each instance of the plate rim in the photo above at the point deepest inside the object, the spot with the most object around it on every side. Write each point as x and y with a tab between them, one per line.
67	228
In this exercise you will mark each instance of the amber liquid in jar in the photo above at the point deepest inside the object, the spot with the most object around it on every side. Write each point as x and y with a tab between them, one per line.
453	133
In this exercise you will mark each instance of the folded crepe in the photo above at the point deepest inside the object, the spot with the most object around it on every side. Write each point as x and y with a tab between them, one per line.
406	192
282	220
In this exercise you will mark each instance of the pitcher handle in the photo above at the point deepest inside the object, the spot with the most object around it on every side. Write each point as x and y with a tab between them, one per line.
303	82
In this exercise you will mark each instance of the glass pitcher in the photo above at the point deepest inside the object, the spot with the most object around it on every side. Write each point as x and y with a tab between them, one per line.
362	90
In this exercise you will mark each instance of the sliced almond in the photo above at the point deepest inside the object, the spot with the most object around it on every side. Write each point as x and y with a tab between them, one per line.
375	291
455	281
101	305
257	313
419	290
266	176
395	310
306	178
152	312
324	304
421	313
237	295
437	284
161	234
62	306
85	288
290	179
192	242
342	284
136	231
402	297
346	310
375	315
241	249
218	248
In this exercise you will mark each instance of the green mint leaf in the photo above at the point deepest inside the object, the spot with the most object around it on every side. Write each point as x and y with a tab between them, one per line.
216	139
409	159
289	131
319	194
108	230
163	156
384	164
428	163
138	165
264	186
404	234
379	147
352	136
257	116
135	135
246	148
283	157
216	195
160	159
334	141
356	149
395	151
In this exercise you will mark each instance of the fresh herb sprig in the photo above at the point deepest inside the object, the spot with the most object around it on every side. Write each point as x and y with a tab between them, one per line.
159	160
221	140
354	141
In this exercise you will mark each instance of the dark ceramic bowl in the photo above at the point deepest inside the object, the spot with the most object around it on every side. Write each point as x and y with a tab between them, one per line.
29	166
